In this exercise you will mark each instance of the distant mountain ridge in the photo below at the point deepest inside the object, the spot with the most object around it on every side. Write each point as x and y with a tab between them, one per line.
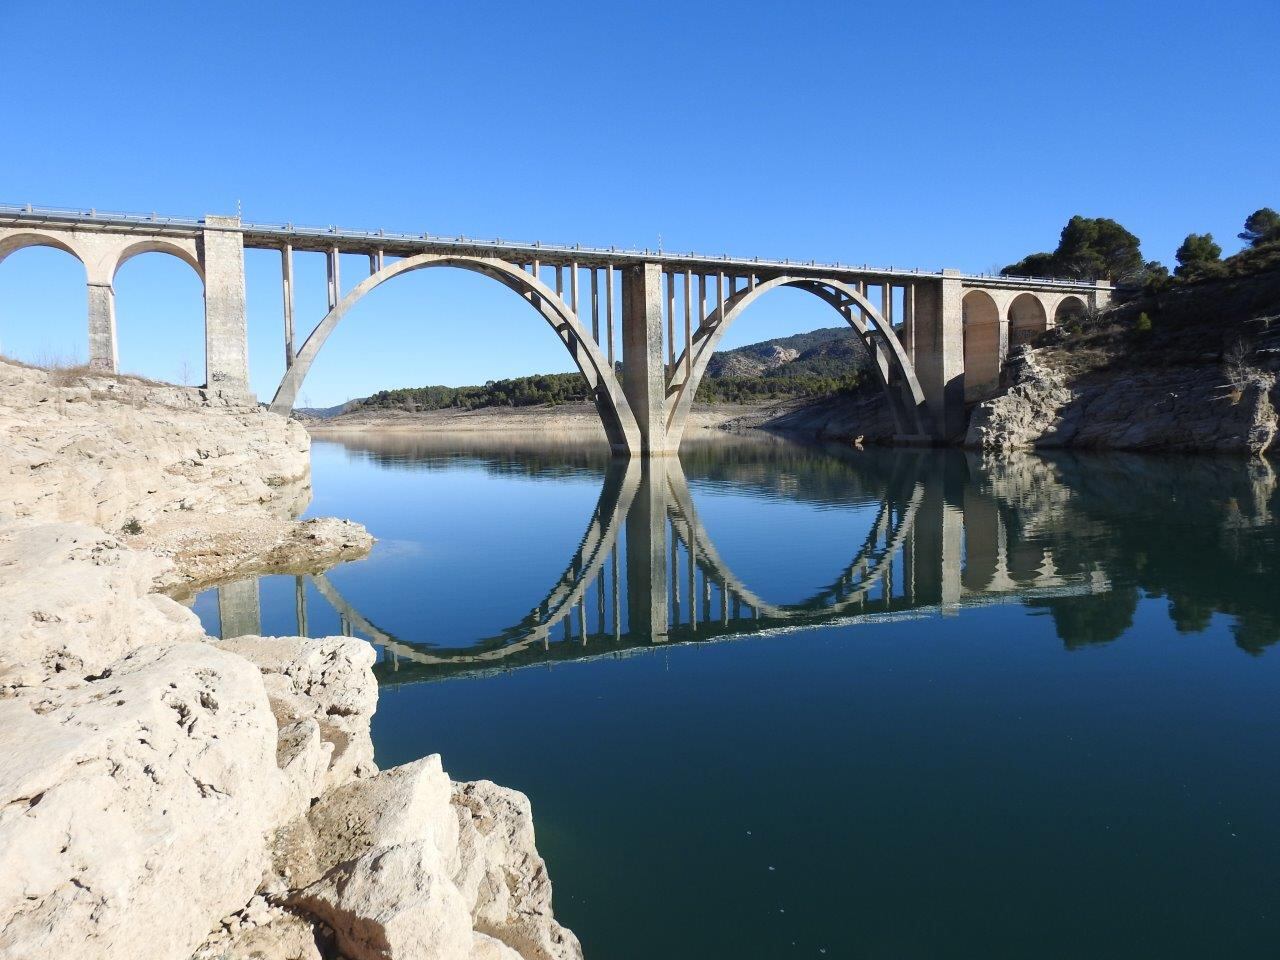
814	364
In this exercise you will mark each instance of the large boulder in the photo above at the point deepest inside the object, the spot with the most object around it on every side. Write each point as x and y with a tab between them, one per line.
135	808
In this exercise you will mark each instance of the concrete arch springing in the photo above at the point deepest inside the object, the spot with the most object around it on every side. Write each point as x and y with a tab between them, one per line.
619	423
982	345
892	366
1027	319
18	241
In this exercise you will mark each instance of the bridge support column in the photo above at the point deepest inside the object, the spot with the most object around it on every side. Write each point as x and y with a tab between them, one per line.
225	330
647	572
644	372
938	324
103	351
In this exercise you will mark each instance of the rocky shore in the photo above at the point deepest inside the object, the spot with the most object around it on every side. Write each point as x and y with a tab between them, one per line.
168	795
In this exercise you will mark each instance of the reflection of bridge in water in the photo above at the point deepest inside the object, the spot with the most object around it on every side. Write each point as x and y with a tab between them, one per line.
647	572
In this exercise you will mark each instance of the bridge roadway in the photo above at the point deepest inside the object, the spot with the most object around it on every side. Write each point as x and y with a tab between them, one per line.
938	338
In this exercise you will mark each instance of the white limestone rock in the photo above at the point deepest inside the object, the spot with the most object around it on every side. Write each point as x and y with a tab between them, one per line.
502	876
134	808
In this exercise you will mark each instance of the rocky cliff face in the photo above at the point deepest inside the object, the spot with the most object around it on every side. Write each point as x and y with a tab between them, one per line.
165	795
1183	409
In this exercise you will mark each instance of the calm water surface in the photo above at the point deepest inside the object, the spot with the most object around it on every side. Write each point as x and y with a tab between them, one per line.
778	701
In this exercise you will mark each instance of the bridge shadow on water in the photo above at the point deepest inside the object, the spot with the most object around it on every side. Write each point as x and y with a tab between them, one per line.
944	531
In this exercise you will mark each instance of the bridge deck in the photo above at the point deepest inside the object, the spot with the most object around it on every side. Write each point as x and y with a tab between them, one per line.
276	236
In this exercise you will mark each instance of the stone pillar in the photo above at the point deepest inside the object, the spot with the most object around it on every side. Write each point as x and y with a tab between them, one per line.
225	330
647	571
1102	294
103	350
939	337
238	610
644	374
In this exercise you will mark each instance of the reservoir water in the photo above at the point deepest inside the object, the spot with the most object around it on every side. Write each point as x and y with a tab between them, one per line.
773	700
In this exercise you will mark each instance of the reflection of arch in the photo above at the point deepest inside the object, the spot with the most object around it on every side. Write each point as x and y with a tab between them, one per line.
981	320
1069	308
871	565
597	549
1027	319
619	423
893	368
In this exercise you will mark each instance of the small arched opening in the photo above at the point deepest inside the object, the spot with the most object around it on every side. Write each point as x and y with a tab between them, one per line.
43	303
1027	319
160	315
981	345
1069	310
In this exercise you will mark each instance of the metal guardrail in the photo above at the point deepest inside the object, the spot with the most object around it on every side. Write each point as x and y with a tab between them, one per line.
284	230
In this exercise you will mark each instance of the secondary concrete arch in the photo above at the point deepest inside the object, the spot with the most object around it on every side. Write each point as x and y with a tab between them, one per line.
619	423
982	342
167	343
893	368
1069	307
42	316
1027	319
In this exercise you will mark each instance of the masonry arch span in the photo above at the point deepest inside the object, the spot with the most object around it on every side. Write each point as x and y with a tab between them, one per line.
892	367
14	242
43	302
619	423
981	322
160	316
185	253
1069	308
1027	319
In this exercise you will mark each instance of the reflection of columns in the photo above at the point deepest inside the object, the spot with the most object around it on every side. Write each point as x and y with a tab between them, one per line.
238	609
936	546
103	352
300	604
647	554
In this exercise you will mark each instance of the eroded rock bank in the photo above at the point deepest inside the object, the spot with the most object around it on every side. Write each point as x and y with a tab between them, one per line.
166	795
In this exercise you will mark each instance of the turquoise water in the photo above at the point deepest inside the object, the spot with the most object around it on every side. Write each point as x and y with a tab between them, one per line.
775	700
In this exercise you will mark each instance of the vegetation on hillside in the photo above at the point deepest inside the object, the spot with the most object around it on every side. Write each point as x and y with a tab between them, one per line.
821	363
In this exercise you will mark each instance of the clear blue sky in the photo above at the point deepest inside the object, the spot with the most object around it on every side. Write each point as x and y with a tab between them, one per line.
933	135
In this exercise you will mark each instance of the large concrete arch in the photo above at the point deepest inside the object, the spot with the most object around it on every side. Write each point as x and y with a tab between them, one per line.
1028	318
983	338
619	423
893	367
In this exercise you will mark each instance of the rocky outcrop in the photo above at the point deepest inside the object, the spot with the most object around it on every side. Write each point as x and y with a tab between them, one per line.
165	795
1181	409
207	481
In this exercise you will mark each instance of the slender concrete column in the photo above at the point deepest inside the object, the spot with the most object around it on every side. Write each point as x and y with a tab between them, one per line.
939	362
608	311
335	281
103	350
909	321
286	279
643	367
647	572
238	609
225	330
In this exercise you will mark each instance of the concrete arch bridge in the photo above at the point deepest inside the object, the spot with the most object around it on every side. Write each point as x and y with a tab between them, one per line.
641	326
